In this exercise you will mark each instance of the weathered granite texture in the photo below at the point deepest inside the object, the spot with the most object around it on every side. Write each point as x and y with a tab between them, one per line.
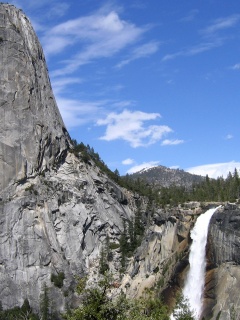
32	134
55	209
57	222
165	244
223	275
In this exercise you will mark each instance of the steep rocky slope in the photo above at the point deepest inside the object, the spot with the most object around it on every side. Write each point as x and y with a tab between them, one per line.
164	246
32	134
55	209
223	276
56	223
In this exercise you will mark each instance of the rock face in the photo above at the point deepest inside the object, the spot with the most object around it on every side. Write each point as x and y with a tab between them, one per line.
224	259
32	134
55	209
55	223
161	254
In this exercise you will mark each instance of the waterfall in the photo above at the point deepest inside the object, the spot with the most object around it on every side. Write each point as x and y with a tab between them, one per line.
194	284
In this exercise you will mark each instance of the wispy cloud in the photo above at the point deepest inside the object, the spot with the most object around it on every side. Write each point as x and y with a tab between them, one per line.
128	161
236	66
168	142
60	84
76	113
142	166
142	51
54	8
215	170
99	35
221	24
229	137
59	9
190	16
209	38
130	127
194	50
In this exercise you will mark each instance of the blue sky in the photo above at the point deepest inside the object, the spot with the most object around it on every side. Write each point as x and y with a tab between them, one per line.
146	82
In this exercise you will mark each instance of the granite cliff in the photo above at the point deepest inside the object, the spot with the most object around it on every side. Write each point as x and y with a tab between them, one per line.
55	209
223	274
32	134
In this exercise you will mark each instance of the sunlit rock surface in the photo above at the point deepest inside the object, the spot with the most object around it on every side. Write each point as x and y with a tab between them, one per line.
160	254
32	134
55	209
56	223
224	257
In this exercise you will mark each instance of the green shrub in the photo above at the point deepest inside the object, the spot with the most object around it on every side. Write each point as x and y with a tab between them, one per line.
30	188
58	279
155	270
113	245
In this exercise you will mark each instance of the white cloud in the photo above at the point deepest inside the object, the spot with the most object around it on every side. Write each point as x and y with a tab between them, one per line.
99	35
52	7
76	113
191	16
174	167
144	165
215	170
59	9
221	24
229	137
56	44
236	66
128	161
142	51
209	38
129	126
168	142
59	84
194	50
80	112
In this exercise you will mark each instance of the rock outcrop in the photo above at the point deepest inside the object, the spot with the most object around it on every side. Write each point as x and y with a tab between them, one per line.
159	260
55	209
223	275
57	223
32	134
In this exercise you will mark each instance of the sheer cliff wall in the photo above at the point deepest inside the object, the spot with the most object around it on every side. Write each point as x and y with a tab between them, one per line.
32	133
55	209
223	274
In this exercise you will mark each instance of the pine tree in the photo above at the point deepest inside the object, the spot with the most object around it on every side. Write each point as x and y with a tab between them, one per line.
182	309
123	242
44	304
103	263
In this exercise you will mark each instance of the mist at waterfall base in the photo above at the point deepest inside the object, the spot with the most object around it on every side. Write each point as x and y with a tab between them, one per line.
194	284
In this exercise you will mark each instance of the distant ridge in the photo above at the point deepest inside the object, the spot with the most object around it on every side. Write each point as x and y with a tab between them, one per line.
166	177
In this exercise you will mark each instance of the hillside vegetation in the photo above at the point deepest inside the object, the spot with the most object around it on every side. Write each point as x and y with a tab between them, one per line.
193	188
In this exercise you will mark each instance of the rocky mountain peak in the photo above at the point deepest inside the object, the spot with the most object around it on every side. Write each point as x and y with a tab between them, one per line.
32	134
161	176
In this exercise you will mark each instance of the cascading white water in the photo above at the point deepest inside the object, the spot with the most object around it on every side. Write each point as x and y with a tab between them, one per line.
194	285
